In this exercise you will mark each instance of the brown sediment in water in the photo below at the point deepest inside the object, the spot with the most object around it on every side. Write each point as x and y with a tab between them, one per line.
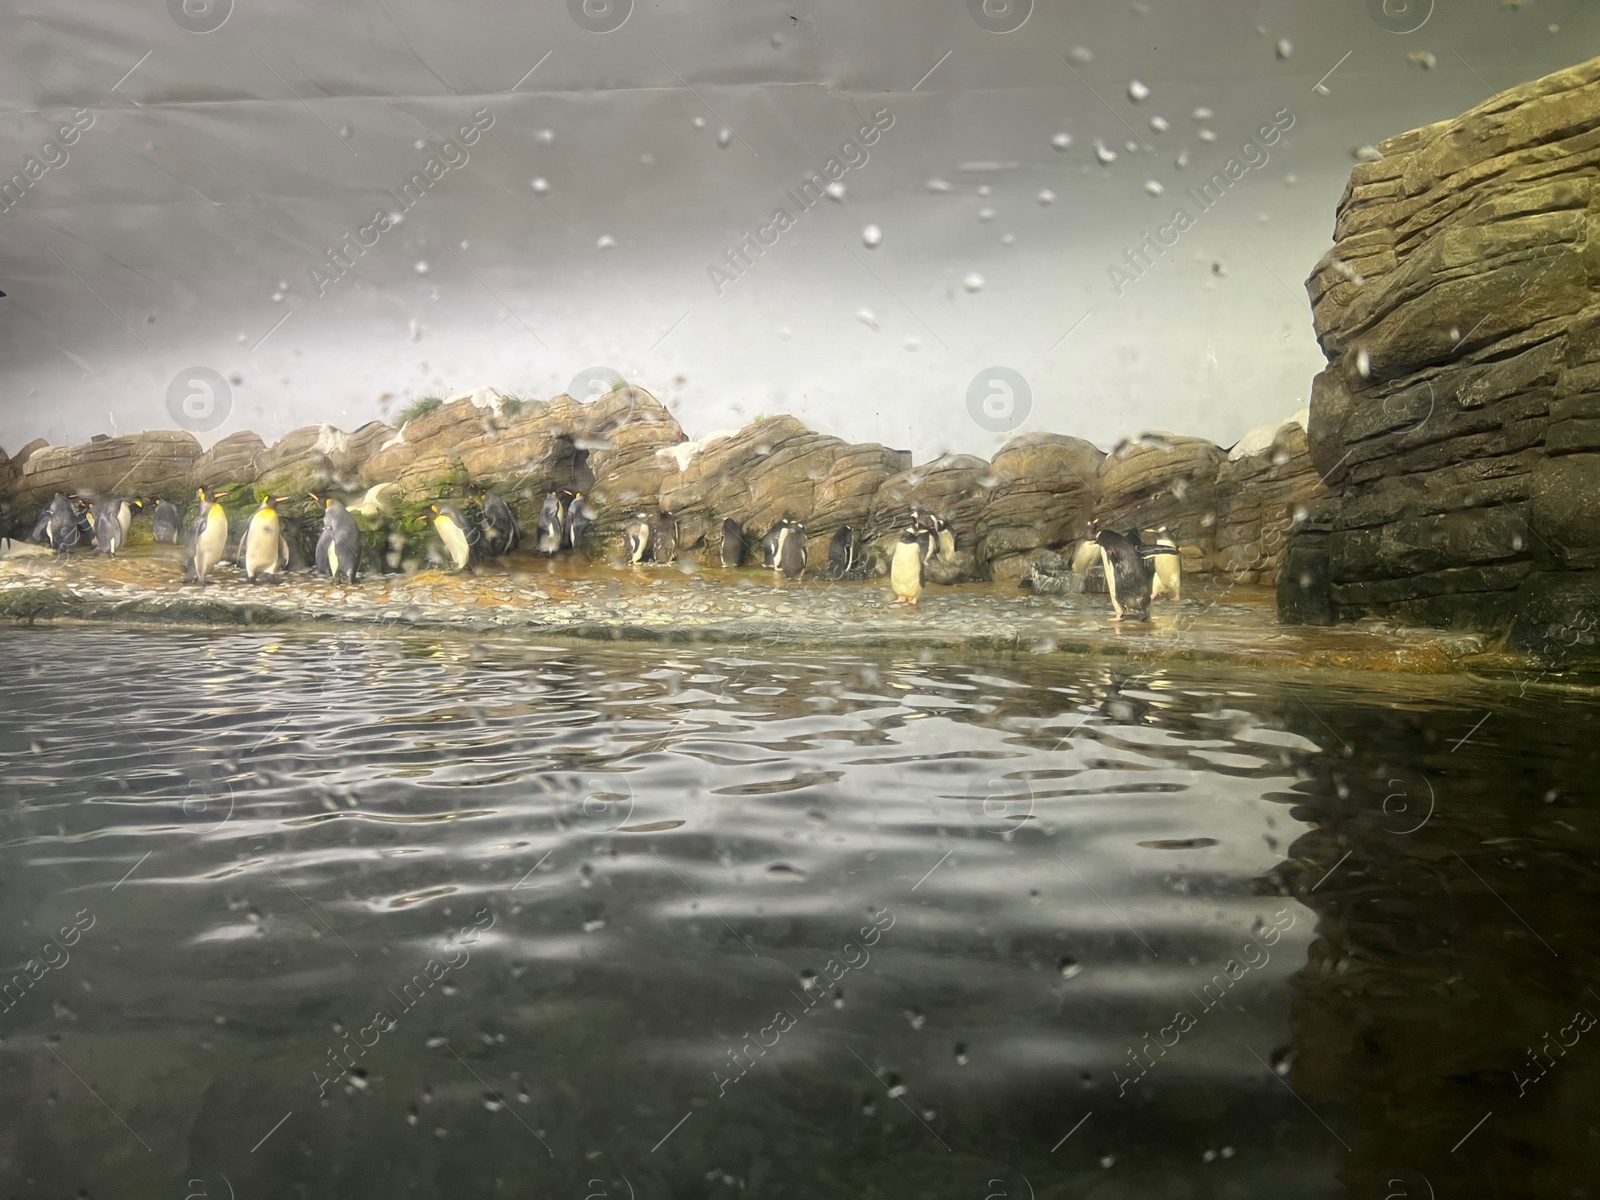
579	599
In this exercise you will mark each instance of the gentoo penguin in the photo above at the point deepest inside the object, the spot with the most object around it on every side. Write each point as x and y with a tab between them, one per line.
125	510
60	525
264	551
732	543
501	533
905	568
769	544
790	555
636	539
664	539
1127	573
552	525
339	547
167	522
579	517
842	552
108	532
454	532
1166	566
208	535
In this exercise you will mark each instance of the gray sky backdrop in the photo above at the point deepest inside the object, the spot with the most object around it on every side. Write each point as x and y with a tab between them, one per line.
183	226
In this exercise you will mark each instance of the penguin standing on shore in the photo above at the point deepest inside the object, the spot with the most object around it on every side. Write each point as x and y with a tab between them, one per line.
579	517
552	525
790	554
934	534
664	539
905	568
1166	565
208	535
265	551
769	544
842	552
339	546
167	522
58	525
732	543
458	536
501	533
636	539
108	532
1127	573
125	510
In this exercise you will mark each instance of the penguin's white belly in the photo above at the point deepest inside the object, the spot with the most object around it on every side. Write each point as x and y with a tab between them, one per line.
1111	579
261	546
1167	574
947	545
905	570
455	541
333	559
212	542
1086	555
125	519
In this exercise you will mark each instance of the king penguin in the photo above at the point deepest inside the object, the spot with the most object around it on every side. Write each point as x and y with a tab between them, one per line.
732	543
664	539
264	552
339	547
208	535
1127	574
905	568
501	533
552	525
108	531
579	517
790	555
842	553
1166	565
167	522
636	539
60	524
454	532
125	510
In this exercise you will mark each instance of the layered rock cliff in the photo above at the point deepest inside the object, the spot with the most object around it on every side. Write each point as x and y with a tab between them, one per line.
1457	424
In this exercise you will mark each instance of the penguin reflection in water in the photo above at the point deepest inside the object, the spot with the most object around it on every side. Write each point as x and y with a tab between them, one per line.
339	547
454	531
501	533
208	535
265	550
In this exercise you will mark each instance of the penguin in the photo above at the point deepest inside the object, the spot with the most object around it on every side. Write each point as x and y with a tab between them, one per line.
790	555
579	517
167	522
339	547
501	533
552	525
60	522
769	544
263	549
905	568
732	543
1127	573
936	538
842	553
664	539
1166	566
208	535
81	514
458	537
636	539
108	531
125	510
41	528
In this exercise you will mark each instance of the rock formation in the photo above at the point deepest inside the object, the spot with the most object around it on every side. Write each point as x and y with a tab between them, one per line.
1458	420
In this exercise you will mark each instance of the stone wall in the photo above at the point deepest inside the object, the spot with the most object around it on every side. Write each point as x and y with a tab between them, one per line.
1458	420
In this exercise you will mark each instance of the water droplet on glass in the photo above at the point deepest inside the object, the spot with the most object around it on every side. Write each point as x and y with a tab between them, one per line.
913	344
1182	160
465	243
545	135
973	282
605	241
1069	967
1208	135
277	297
1081	54
1423	59
1364	362
540	185
1046	197
1137	91
1160	124
1131	146
699	122
868	318
1284	49
835	192
871	237
1109	1161
1008	239
419	144
938	185
961	1054
1061	140
1203	113
1154	187
1365	153
984	189
986	214
344	131
421	267
1104	153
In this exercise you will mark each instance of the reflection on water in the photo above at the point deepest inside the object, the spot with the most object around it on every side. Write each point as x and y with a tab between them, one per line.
360	916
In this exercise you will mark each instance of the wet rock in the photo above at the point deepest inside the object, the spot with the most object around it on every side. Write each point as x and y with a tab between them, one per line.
1043	495
1262	495
956	487
160	463
235	459
1159	479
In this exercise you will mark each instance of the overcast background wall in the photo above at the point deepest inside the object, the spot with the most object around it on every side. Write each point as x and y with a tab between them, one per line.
182	228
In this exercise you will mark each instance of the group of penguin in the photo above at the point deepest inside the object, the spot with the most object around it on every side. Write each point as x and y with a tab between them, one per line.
263	550
563	523
1136	573
648	538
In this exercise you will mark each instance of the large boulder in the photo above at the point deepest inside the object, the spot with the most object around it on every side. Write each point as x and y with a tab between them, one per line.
954	486
160	463
1043	495
1458	419
1161	479
234	460
1264	491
